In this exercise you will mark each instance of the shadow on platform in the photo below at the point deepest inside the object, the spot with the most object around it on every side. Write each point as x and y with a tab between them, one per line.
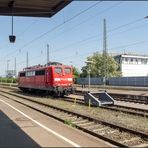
12	135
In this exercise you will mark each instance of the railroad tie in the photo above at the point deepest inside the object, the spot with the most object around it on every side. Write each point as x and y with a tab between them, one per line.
71	118
80	121
141	145
108	132
130	140
85	124
100	129
65	115
92	127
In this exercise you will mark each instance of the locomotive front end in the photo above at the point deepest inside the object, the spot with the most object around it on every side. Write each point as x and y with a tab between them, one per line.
63	80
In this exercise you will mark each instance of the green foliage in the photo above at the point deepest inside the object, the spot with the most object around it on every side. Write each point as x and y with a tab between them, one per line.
101	66
8	80
69	122
76	73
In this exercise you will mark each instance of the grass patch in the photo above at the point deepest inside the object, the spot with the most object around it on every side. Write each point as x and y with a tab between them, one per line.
69	122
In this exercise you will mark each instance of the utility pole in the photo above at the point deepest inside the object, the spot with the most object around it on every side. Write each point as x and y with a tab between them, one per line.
15	67
27	59
105	71
47	54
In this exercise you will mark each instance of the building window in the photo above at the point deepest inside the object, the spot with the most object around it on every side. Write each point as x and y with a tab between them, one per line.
143	61
126	60
131	60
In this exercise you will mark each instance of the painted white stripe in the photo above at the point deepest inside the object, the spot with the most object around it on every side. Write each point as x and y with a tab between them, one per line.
57	79
44	127
69	79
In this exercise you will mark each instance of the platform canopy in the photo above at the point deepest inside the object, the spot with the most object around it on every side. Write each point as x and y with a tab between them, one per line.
32	8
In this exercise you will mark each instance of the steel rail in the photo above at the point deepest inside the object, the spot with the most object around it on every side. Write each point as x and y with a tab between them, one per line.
115	127
124	109
122	97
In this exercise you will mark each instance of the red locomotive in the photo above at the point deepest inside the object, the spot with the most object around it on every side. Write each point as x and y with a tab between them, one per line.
54	78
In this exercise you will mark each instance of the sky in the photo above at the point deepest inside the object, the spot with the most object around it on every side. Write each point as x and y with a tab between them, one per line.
75	33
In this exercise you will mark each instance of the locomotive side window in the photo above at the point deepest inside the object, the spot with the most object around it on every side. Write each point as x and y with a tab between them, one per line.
58	70
67	70
30	73
40	72
22	74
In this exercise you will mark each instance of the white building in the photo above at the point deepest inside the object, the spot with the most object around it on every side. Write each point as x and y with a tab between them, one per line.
132	65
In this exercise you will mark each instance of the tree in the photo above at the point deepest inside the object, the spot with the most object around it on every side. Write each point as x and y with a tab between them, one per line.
76	73
101	66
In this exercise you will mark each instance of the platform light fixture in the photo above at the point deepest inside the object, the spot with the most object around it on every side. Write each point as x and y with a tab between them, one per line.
12	37
89	62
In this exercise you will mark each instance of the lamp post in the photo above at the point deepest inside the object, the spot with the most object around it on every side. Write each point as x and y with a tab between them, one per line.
7	67
89	62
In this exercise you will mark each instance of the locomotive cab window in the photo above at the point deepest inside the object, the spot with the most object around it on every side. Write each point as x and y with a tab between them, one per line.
67	70
58	70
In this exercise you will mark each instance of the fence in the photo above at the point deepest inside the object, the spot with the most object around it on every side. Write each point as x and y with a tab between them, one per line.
129	81
116	81
93	81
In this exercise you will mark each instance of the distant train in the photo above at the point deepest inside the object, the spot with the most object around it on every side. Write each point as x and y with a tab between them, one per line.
54	78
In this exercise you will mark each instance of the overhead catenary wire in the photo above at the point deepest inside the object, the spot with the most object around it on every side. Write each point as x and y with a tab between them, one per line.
91	17
88	53
63	24
121	26
56	27
53	29
96	36
27	28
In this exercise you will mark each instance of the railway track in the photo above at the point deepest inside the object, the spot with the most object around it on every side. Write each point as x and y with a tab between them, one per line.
115	134
124	97
117	97
117	108
124	109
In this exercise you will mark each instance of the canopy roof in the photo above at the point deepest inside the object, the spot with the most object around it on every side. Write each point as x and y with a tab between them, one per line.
33	8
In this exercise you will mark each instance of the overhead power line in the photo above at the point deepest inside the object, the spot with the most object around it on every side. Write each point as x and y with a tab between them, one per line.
91	17
74	56
132	44
98	35
56	27
95	36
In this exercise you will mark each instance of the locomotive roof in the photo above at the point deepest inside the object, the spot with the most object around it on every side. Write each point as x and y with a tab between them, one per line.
37	67
32	8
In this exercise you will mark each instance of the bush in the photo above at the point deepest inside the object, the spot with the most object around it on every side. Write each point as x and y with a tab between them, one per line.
8	80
